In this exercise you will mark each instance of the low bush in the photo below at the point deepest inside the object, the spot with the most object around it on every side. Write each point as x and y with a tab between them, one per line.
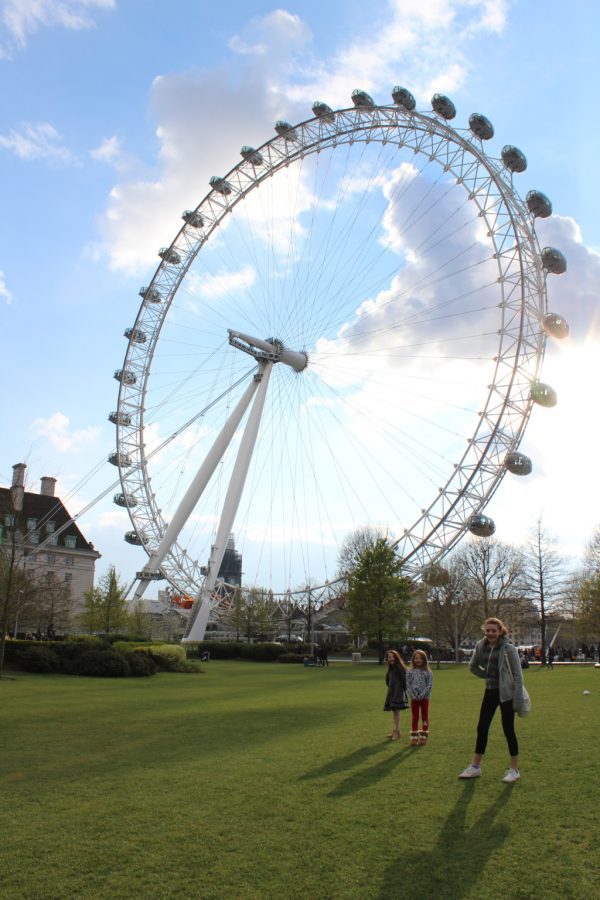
37	659
217	649
103	664
70	652
262	652
140	663
167	657
291	658
128	638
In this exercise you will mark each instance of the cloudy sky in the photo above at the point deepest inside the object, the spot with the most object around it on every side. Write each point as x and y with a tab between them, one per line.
115	114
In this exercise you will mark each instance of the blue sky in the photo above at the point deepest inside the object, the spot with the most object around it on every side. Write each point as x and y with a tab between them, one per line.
115	114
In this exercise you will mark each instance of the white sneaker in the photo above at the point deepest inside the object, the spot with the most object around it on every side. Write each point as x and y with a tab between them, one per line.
511	776
472	772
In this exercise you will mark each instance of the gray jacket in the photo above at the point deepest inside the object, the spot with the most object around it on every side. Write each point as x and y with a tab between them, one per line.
509	665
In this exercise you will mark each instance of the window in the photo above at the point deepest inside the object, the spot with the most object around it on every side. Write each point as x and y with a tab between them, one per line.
33	537
31	524
9	521
50	526
70	541
68	560
53	541
50	558
68	577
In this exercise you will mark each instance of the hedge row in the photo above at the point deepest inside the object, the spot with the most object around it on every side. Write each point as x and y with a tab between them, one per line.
93	656
266	652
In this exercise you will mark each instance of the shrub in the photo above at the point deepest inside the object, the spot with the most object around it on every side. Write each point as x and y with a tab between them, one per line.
291	658
37	659
217	649
140	662
262	652
103	664
70	652
113	638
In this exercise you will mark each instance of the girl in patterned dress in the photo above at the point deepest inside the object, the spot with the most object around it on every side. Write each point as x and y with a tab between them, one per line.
419	681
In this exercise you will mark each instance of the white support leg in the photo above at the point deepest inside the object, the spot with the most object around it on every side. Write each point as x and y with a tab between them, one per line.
194	491
232	500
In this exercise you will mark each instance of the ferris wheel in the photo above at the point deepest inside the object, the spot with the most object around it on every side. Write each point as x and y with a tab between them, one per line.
347	330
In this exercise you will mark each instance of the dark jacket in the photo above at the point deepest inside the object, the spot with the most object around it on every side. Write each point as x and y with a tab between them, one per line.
395	678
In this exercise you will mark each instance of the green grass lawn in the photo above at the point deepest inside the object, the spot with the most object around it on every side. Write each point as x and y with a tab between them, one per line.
267	780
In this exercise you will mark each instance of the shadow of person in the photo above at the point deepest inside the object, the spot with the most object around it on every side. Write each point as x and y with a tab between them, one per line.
457	861
343	763
365	778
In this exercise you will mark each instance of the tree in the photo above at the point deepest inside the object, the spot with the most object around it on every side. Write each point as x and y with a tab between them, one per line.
235	616
13	581
105	606
355	545
378	595
452	608
543	576
140	620
493	571
54	604
588	587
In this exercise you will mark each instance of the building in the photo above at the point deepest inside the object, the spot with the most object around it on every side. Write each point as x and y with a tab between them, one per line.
47	545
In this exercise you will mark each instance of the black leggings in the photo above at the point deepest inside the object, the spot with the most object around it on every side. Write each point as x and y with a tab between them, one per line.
489	705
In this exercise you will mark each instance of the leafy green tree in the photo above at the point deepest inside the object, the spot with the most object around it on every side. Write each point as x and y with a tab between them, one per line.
90	617
235	616
105	606
140	620
378	600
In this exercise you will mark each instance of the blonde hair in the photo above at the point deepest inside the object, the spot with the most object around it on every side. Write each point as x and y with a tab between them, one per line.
498	623
423	656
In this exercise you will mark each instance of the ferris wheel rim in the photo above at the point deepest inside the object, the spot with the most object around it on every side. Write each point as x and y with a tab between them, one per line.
285	151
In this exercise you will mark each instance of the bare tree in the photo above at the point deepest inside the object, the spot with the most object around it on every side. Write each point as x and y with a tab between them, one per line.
588	588
452	608
493	573
543	580
355	545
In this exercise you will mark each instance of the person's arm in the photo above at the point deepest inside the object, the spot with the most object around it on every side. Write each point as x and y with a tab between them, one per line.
517	673
475	666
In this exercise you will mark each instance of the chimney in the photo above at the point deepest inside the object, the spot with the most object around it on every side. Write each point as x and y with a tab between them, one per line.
18	486
47	486
19	475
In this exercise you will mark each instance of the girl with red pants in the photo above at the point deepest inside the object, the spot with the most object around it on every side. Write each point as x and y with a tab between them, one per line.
419	681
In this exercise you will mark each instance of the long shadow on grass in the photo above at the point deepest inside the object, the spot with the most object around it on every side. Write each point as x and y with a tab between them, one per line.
368	777
344	762
458	859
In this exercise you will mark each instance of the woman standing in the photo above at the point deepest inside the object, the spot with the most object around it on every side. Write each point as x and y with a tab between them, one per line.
497	660
395	700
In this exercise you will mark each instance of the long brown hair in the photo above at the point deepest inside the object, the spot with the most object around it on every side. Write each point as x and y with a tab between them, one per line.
398	661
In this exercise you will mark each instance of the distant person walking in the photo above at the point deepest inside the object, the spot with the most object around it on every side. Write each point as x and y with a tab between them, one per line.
496	660
550	657
419	681
395	700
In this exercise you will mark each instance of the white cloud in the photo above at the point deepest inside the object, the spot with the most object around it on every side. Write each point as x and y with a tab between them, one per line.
21	18
37	141
108	151
4	291
204	118
224	283
56	429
